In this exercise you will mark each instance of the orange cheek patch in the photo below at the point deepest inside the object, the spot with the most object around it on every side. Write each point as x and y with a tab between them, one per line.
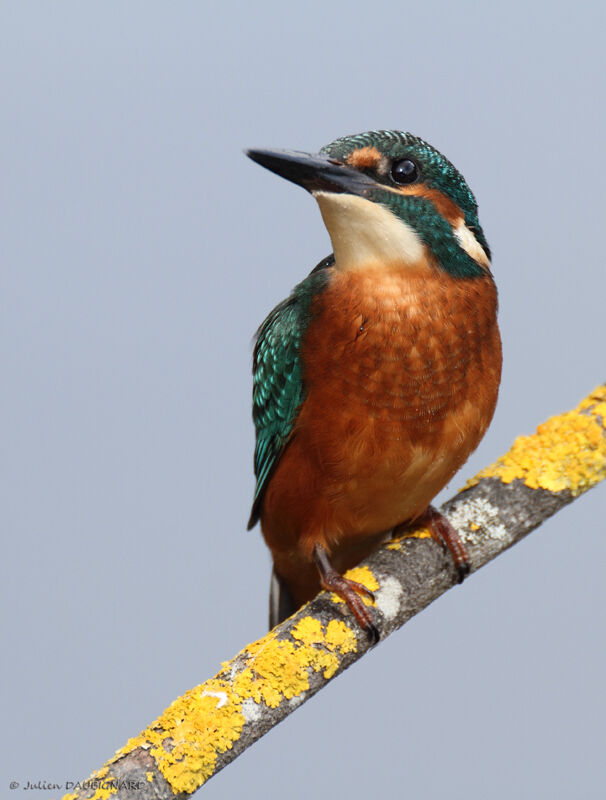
365	157
444	205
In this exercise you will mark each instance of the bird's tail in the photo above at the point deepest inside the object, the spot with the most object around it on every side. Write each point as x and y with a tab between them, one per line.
281	604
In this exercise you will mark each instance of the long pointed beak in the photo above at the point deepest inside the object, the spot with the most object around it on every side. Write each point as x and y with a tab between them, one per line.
316	173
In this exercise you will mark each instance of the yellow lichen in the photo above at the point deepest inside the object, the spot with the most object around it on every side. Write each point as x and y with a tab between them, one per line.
596	403
413	533
420	533
275	672
340	637
395	544
186	740
150	777
105	786
364	576
309	630
566	452
361	575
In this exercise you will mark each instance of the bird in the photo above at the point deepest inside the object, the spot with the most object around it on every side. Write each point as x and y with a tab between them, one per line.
377	377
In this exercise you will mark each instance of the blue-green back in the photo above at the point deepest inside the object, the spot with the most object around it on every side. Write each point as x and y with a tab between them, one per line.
278	380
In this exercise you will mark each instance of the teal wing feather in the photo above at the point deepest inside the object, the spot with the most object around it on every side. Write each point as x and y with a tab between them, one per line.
277	390
278	385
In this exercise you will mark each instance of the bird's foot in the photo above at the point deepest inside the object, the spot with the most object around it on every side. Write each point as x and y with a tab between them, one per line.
349	591
446	535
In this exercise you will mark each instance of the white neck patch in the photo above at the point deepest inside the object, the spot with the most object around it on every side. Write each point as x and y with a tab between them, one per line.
364	233
470	244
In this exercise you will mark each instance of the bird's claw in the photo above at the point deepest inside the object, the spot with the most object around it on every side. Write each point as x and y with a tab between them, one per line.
349	591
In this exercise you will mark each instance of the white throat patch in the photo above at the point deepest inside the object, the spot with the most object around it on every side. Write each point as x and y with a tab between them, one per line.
364	233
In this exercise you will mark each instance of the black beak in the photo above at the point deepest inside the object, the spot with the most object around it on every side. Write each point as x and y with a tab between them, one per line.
316	173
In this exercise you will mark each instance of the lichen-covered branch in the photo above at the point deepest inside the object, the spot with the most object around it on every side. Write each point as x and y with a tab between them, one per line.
205	729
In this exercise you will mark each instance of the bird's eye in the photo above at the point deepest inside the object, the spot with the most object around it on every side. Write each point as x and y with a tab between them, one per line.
404	171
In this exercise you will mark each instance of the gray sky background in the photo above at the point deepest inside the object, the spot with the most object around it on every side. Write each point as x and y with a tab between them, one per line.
141	249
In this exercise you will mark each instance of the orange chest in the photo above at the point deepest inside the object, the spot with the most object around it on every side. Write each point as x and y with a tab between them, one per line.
401	375
402	348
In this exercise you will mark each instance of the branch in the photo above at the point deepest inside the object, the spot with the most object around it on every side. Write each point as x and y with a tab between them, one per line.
205	729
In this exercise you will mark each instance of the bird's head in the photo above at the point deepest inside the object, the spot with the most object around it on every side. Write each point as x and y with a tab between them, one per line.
389	197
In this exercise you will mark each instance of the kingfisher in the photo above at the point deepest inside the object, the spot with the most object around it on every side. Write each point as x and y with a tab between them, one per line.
378	376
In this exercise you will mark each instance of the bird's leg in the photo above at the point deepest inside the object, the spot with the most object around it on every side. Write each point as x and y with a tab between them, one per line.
446	535
349	591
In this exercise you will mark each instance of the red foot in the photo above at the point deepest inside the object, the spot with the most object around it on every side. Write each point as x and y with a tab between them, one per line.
349	591
445	535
